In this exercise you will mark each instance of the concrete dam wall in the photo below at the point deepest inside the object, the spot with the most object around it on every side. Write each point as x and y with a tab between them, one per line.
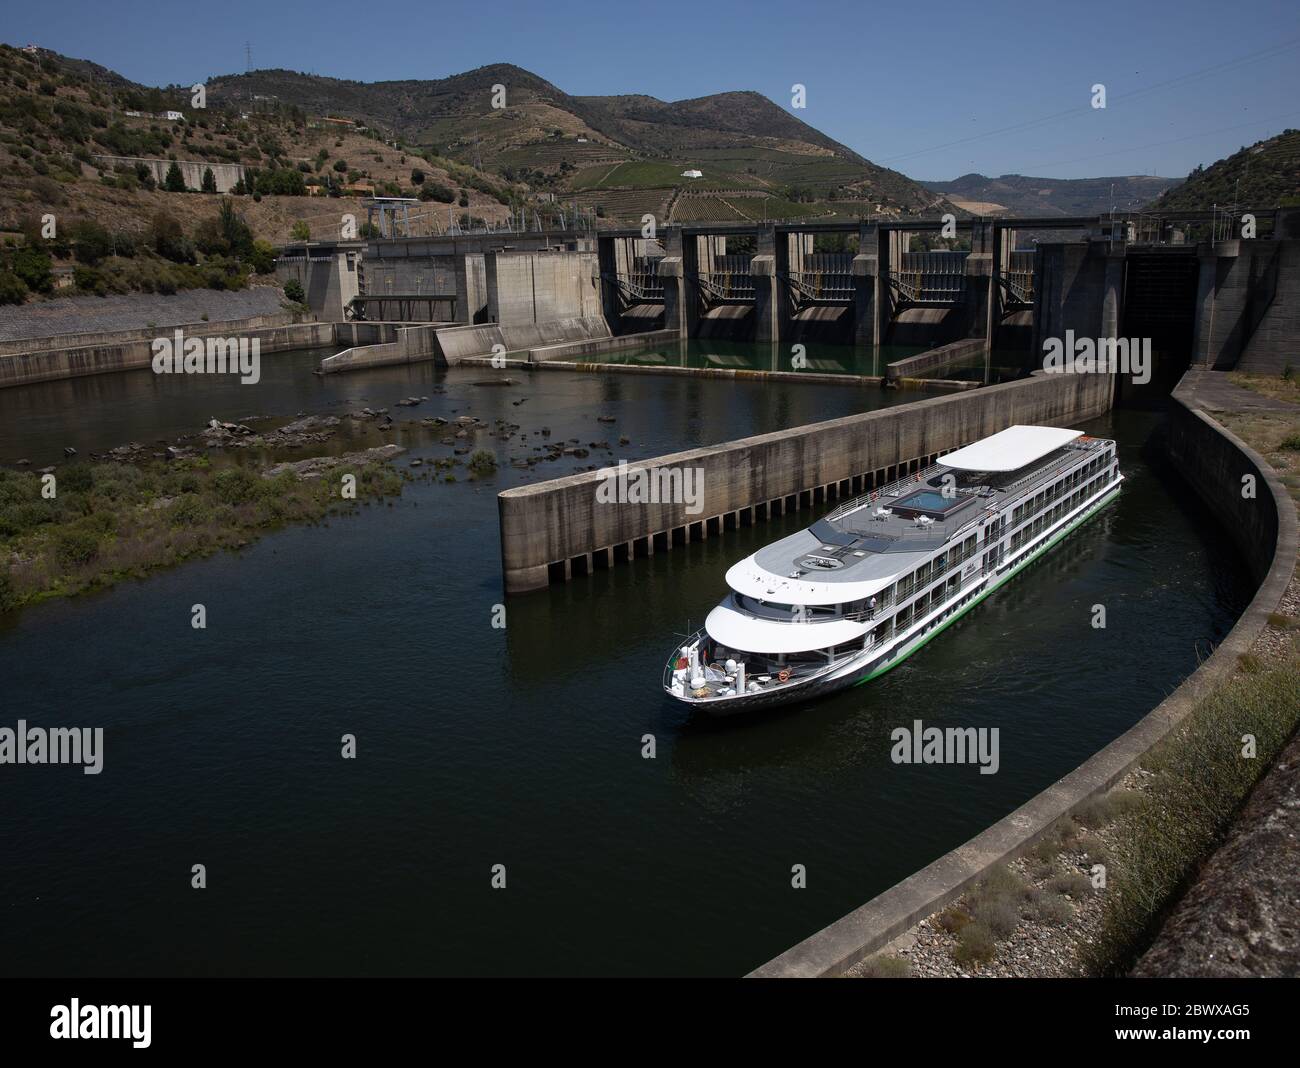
548	525
274	333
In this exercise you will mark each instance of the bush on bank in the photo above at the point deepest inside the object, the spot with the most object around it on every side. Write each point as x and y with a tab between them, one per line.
111	521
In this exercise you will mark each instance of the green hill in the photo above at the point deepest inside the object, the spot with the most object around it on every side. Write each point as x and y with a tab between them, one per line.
1264	175
591	148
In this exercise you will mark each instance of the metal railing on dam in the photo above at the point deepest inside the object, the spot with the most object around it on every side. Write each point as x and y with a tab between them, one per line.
552	529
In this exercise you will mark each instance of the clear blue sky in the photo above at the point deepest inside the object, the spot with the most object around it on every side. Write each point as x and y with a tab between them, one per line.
922	87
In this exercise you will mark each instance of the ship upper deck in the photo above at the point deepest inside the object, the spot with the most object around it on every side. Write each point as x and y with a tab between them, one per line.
864	544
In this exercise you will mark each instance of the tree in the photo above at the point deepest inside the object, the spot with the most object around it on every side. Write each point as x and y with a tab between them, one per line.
91	243
293	291
238	235
417	176
341	165
301	231
175	181
209	184
12	290
33	267
169	239
262	257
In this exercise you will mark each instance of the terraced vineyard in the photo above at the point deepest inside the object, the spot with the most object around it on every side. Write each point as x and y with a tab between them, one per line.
548	155
627	206
741	209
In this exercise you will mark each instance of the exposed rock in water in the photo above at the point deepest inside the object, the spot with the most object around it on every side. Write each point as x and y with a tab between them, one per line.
317	466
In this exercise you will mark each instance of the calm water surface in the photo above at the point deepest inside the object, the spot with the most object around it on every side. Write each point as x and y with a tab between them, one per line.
480	746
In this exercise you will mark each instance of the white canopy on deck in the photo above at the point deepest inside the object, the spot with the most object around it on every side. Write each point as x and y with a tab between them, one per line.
1010	449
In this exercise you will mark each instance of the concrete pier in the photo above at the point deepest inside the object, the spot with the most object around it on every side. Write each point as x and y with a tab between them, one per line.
545	527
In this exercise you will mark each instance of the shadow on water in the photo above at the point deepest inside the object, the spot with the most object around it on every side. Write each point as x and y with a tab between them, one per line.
523	746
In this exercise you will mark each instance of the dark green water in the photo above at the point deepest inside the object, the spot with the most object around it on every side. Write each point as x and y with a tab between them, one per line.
479	746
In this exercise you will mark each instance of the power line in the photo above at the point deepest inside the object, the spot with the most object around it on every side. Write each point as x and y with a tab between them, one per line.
1156	144
1076	112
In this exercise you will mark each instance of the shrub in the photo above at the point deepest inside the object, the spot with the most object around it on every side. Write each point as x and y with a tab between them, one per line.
8	595
482	462
301	230
1000	916
188	511
169	239
90	280
34	268
262	257
1001	885
235	485
1053	911
886	967
293	291
1073	884
12	289
76	477
975	944
951	920
75	545
91	242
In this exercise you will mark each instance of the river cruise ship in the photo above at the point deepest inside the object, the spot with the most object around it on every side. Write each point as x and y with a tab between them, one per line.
860	590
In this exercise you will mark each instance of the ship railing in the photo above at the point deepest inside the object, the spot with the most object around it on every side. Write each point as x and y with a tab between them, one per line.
881	494
755	665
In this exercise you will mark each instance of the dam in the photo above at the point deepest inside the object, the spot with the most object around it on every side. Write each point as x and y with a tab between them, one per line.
699	847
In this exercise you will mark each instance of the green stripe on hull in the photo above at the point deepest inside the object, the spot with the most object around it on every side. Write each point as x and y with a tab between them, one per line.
997	585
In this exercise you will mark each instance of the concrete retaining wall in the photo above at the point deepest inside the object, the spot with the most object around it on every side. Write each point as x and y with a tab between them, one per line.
115	353
1214	462
227	175
456	343
939	359
410	344
552	523
570	350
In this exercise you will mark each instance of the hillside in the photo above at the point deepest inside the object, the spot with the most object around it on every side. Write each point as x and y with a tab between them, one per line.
1264	175
1018	194
75	144
622	155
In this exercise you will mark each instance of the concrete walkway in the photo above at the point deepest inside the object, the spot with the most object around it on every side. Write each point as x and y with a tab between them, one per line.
1241	917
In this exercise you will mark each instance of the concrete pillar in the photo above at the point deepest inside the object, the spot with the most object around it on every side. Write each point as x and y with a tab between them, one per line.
866	289
679	272
979	279
764	268
1111	295
471	298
